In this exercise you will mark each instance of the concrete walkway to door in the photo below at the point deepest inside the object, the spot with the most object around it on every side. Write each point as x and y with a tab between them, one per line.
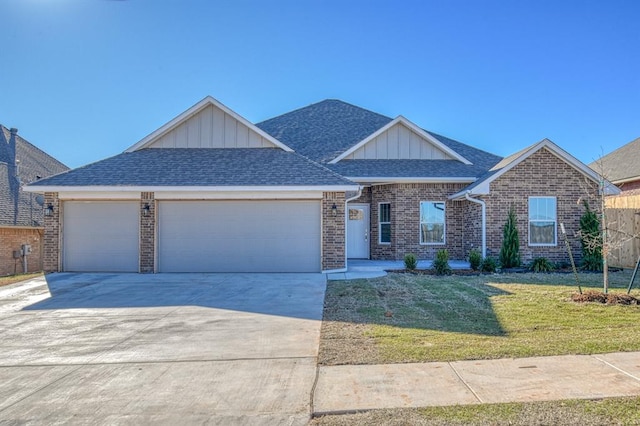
363	268
161	349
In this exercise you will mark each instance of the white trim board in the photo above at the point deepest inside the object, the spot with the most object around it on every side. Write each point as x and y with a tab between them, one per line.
201	189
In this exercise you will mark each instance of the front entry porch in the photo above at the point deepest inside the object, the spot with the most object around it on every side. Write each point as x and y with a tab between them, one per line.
362	269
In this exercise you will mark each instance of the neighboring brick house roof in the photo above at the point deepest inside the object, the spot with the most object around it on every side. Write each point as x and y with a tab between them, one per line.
621	165
19	208
182	167
326	129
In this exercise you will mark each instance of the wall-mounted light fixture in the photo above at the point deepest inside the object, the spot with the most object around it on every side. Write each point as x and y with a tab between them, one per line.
146	209
334	209
48	211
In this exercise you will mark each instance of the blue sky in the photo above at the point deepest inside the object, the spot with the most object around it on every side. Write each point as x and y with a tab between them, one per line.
85	79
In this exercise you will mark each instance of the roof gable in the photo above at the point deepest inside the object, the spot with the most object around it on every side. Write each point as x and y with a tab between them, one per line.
482	186
209	124
403	140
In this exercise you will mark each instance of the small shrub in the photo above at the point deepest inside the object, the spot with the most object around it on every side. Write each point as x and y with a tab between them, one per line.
489	264
410	261
563	265
510	251
475	259
441	263
591	240
541	264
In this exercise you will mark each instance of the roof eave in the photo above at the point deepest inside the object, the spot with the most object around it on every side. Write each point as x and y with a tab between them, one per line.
391	179
213	188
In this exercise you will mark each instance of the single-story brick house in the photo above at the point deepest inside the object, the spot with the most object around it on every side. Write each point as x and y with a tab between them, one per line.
21	213
305	191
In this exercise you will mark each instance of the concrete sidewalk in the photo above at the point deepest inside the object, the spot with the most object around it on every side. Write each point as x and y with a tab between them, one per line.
349	388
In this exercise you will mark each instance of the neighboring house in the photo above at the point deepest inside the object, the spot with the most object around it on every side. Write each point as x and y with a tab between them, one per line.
211	192
622	168
21	213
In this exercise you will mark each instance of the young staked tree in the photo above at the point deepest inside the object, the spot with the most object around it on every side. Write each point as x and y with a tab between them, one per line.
510	251
610	236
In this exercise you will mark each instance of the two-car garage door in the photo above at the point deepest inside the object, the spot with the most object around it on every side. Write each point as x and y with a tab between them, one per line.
195	236
239	236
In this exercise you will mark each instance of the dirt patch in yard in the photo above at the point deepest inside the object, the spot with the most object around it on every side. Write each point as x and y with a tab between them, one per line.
339	340
609	298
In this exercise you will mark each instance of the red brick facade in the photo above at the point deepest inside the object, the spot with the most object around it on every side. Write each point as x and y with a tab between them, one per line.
52	247
333	231
404	200
147	232
542	174
12	238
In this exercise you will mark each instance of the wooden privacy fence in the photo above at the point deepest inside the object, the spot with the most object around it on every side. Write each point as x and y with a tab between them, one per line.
624	232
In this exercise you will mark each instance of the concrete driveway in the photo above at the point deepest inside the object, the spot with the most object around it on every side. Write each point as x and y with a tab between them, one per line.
168	349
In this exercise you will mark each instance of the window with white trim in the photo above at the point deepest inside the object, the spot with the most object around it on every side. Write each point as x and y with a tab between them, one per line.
384	223
432	224
542	221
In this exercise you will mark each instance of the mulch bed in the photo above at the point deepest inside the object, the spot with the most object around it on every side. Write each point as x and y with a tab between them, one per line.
609	299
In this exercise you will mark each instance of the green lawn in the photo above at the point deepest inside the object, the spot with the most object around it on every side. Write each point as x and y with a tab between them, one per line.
612	411
416	318
11	279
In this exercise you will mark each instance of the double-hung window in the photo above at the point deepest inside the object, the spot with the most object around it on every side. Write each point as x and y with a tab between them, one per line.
542	221
384	223
432	225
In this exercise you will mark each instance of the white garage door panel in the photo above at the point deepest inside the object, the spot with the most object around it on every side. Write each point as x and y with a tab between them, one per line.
100	236
239	236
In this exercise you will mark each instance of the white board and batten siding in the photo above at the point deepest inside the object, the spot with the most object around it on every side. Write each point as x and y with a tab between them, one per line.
399	143
211	128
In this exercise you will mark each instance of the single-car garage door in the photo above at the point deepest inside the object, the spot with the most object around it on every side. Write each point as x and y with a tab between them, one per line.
100	236
239	236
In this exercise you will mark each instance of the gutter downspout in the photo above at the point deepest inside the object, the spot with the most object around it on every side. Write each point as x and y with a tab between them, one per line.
484	221
346	213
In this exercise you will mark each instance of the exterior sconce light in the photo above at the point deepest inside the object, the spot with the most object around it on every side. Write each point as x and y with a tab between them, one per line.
48	211
334	209
145	209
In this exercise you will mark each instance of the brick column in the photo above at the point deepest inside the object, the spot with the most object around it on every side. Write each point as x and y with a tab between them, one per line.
52	247
147	232
333	231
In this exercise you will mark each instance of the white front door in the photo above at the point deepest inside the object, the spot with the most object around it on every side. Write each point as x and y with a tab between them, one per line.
358	231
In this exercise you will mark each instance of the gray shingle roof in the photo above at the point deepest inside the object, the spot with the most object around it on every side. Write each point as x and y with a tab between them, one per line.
326	129
200	167
621	164
18	208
